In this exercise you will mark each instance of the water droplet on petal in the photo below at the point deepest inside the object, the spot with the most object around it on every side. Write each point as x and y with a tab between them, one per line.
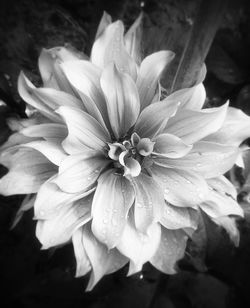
42	213
139	205
105	221
166	191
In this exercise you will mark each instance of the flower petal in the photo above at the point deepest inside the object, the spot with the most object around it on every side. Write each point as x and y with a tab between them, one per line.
180	187
103	261
28	169
112	200
170	146
149	74
27	204
139	247
133	39
174	217
84	131
59	230
190	98
109	47
206	158
54	152
51	199
80	171
153	119
85	77
149	202
191	126
223	185
229	224
171	249
122	100
105	21
83	265
234	130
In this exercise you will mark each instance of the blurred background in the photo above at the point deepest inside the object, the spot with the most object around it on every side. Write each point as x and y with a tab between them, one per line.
213	273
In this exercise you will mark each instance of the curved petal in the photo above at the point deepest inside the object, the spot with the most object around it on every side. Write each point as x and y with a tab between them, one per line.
49	131
112	200
28	170
139	247
133	38
190	98
171	249
229	224
103	261
153	119
59	230
122	100
85	77
149	202
109	47
149	74
170	146
180	187
80	171
206	158
191	126
234	130
105	21
84	131
223	185
174	217
54	152
27	204
51	199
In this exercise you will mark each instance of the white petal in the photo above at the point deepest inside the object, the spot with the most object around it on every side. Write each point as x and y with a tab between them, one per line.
191	126
51	199
105	21
149	202
234	130
229	224
150	73
103	261
153	119
174	217
180	187
59	230
223	185
80	171
54	152
112	200
170	146
171	249
122	100
109	47
84	131
139	247
28	170
27	204
206	158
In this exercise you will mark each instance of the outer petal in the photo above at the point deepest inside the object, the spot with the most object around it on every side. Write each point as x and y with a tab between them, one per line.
171	249
149	202
80	171
50	200
170	146
153	119
27	204
229	224
133	39
85	77
139	247
206	158
58	231
190	98
122	100
149	74
84	131
54	152
234	130
223	185
105	21
191	126
103	261
178	218
112	200
109	47
28	169
181	188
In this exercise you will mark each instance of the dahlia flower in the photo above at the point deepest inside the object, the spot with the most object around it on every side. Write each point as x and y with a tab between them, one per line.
110	164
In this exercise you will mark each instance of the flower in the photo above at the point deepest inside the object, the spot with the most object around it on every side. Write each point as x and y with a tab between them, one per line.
111	165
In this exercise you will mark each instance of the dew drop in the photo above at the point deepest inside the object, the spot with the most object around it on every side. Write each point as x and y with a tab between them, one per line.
42	213
198	165
105	221
97	171
139	205
166	191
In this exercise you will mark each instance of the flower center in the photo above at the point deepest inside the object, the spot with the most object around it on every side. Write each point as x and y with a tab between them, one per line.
128	156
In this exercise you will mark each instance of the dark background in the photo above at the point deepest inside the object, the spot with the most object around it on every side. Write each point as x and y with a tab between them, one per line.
213	272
